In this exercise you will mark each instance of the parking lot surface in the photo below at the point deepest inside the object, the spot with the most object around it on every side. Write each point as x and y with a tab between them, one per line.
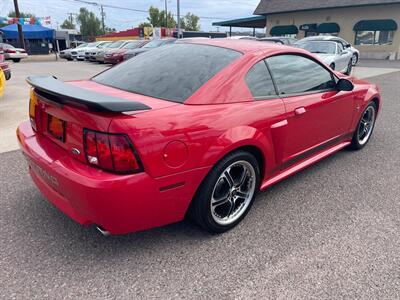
331	231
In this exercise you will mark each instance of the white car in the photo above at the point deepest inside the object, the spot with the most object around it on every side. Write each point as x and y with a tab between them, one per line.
331	53
79	53
346	45
12	53
67	53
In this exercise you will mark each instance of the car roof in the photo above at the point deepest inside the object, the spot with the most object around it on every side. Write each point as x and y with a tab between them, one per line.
241	45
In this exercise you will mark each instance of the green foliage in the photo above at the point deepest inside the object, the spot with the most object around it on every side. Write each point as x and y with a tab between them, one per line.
144	24
190	22
12	14
109	30
90	25
67	24
157	18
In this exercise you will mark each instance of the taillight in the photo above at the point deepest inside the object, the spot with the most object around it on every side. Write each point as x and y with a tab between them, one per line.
33	101
10	51
111	152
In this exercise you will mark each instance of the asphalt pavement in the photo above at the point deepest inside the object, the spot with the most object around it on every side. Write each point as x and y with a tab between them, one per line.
331	231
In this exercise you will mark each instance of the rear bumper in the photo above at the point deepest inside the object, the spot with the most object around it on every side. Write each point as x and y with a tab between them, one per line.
15	55
118	203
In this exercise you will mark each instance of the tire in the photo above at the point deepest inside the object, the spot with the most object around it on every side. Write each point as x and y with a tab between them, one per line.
8	76
332	66
363	132
354	59
227	193
69	59
349	68
16	60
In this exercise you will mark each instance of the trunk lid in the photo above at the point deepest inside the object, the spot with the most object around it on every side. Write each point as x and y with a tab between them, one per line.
63	120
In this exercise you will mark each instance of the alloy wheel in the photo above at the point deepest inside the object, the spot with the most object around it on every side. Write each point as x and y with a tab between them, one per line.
366	125
233	192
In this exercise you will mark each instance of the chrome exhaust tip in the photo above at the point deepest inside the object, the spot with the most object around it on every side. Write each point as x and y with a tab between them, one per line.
102	231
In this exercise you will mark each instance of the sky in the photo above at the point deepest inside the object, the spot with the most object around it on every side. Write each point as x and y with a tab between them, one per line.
123	19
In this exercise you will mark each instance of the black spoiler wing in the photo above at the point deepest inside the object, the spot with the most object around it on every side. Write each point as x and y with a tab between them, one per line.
59	92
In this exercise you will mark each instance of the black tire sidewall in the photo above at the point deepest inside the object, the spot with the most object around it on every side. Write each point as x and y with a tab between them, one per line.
201	203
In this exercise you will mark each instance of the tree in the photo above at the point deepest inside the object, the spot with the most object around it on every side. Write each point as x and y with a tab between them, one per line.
109	30
157	18
67	24
144	24
191	22
90	25
12	14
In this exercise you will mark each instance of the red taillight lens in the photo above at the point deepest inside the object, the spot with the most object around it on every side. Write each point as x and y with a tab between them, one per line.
111	152
10	51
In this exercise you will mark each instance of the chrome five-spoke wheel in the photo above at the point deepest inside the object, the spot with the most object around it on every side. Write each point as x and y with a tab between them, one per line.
233	192
227	193
366	125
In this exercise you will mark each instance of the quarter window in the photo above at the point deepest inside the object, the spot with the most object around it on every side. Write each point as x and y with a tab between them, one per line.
294	74
374	37
259	81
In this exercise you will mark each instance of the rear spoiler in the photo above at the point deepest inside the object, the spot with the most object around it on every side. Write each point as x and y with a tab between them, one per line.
62	93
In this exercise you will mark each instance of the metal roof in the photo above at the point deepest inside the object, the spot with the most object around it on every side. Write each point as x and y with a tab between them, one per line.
252	22
280	6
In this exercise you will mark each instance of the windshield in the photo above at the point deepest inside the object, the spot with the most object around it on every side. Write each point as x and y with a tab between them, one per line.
115	45
157	43
81	46
318	47
91	45
172	72
131	45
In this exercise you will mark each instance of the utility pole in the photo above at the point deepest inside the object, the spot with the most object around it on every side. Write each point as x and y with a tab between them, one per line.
179	18
166	13
102	18
20	33
71	18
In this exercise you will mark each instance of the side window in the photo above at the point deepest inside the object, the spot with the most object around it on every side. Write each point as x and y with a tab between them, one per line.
259	81
295	74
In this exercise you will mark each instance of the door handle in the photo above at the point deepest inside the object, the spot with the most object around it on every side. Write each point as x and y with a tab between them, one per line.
299	111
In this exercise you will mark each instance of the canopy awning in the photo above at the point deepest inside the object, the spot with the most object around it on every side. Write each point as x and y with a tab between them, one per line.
284	29
30	32
251	22
376	25
328	28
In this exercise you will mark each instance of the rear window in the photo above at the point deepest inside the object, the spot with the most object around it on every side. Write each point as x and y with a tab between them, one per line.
172	72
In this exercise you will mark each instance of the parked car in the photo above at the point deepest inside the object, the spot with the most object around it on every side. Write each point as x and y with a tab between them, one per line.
149	46
115	56
12	53
332	53
5	67
346	45
67	53
79	52
279	40
164	136
99	56
90	54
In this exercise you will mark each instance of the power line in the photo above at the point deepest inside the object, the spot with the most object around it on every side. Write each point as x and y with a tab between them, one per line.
132	9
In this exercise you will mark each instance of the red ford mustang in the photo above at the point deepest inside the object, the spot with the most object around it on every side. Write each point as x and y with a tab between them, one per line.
192	129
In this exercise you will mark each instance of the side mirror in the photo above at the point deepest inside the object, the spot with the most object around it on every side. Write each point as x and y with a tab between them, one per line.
344	85
348	46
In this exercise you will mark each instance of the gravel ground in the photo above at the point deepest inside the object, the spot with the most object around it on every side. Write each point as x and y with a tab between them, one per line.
331	231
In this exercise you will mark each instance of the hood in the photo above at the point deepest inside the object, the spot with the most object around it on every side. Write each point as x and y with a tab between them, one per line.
138	50
326	58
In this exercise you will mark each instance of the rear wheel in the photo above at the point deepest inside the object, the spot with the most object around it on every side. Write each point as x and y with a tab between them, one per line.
364	128
332	66
16	60
227	193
